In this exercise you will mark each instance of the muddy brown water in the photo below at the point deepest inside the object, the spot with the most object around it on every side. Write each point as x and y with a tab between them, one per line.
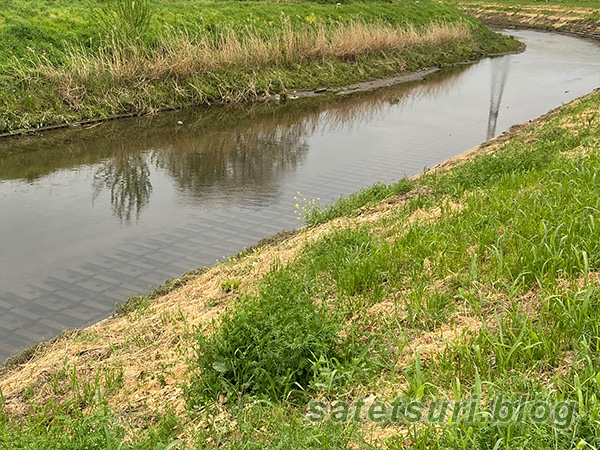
90	217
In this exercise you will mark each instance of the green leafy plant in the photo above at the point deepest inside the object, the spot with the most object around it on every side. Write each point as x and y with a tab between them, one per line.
230	284
267	345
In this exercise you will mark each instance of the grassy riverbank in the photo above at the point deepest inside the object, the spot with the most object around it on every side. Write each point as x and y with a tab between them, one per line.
63	62
477	279
572	16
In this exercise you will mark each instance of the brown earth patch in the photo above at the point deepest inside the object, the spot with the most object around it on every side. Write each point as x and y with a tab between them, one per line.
432	343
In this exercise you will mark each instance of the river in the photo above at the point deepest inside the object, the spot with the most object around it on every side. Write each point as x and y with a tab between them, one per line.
90	217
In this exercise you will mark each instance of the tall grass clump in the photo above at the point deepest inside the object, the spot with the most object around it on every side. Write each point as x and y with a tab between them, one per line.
267	345
179	55
127	19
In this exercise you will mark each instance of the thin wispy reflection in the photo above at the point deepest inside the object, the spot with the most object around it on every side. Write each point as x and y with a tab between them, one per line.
500	69
127	178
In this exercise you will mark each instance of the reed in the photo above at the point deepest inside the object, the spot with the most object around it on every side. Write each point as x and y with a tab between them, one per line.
179	55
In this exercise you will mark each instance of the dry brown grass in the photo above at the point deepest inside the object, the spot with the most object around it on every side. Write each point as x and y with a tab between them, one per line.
430	344
181	55
545	16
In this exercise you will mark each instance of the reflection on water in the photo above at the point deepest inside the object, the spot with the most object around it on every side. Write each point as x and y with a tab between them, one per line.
234	153
127	177
500	68
89	217
243	168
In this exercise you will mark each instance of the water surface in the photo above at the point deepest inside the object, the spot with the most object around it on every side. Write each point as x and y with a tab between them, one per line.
90	217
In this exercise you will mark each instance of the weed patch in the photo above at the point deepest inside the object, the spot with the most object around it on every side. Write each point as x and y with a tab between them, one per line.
267	345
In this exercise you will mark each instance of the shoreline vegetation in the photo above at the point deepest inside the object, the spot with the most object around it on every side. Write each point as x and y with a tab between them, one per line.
581	18
69	62
476	279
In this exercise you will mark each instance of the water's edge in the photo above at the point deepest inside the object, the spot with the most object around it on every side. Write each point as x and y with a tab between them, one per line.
362	86
175	283
171	285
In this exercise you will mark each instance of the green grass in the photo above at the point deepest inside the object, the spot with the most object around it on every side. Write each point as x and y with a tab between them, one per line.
83	420
268	344
54	26
509	241
315	214
571	16
525	230
38	35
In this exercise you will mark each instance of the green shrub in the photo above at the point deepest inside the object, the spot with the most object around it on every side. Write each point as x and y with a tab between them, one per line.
267	346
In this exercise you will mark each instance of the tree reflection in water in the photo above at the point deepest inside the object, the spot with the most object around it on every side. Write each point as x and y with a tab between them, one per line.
242	166
234	155
127	177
